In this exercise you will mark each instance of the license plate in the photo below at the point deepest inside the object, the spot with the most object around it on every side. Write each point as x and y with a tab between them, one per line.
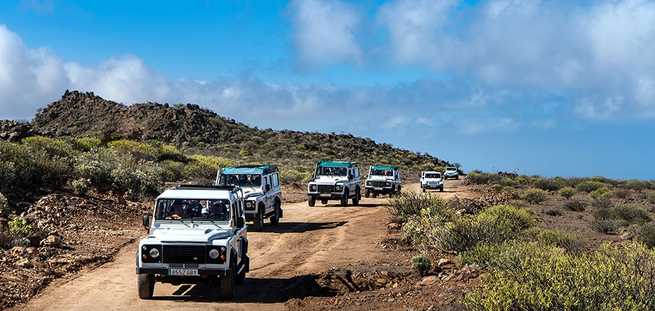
379	189
183	272
325	195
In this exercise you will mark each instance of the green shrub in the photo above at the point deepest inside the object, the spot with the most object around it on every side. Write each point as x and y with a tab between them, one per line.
294	176
4	206
19	227
97	166
606	226
637	185
172	171
575	205
553	212
589	186
478	178
170	152
422	264
600	193
412	204
547	184
624	214
535	196
554	237
205	166
53	147
138	150
567	192
531	276
87	143
80	186
138	183
646	234
602	203
493	225
650	197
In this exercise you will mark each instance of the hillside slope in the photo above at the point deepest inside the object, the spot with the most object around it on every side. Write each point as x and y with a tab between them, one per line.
192	127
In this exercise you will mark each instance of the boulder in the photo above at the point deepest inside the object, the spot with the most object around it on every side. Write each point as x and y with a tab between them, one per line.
51	241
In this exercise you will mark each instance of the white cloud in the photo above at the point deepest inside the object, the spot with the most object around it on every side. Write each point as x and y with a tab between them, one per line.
599	109
325	32
486	125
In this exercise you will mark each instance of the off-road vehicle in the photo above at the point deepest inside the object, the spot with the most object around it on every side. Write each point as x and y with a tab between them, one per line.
334	180
261	187
382	179
431	180
451	172
197	234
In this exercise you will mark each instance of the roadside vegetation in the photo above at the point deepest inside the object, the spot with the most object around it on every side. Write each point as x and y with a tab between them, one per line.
548	244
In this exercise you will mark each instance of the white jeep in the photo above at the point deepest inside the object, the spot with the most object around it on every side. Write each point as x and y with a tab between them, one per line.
197	234
261	187
382	179
451	172
431	180
335	180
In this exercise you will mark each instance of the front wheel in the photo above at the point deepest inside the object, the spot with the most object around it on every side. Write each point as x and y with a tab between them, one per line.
441	189
275	219
146	285
344	199
259	219
311	202
367	193
356	198
228	282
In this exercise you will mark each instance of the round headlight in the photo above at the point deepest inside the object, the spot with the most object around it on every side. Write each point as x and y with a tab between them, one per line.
214	253
339	187
154	253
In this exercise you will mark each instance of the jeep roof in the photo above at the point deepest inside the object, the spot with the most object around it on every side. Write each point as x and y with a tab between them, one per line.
432	172
383	167
336	164
250	169
197	192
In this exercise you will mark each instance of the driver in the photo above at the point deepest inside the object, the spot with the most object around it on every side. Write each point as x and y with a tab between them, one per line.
176	210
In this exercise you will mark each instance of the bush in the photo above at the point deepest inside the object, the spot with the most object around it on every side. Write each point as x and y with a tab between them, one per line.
589	186
602	203
575	205
4	206
80	186
19	228
493	225
535	196
96	167
646	234
553	212
170	152
530	276
567	192
547	184
140	151
478	178
637	185
412	204
650	197
87	143
137	183
294	176
205	167
600	193
606	226
625	214
172	170
422	264
554	237
53	147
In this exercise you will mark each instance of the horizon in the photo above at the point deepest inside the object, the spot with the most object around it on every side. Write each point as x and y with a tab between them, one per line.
534	87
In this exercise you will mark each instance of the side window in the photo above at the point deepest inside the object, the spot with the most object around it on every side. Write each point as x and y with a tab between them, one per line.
265	181
276	180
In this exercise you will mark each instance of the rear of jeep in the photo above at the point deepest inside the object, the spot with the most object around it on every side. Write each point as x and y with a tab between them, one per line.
196	235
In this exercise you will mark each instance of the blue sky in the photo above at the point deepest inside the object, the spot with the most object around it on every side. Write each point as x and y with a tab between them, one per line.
539	87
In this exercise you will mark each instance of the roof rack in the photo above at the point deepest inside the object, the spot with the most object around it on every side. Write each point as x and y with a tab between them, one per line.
250	169
206	187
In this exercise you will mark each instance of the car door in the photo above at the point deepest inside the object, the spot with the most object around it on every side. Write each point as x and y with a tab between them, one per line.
240	233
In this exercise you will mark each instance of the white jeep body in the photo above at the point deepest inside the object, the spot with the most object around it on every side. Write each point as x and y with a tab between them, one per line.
431	180
262	199
383	179
451	172
335	180
190	249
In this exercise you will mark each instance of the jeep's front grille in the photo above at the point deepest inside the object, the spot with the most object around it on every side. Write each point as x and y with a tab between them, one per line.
325	188
378	183
184	254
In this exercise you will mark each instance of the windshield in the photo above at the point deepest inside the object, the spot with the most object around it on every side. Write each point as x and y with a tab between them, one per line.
451	169
432	175
381	173
332	171
182	209
241	180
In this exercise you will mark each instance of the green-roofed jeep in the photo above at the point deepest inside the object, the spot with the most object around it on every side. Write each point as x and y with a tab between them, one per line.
335	180
261	187
383	179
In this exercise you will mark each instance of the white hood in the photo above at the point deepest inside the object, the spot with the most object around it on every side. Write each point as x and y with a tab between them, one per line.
252	191
379	178
329	180
193	233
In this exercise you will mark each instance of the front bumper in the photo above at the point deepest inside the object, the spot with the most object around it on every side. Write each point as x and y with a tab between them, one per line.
164	272
326	196
432	186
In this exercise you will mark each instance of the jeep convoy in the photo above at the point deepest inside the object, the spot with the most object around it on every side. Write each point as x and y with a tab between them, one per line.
334	180
197	234
431	180
382	179
261	187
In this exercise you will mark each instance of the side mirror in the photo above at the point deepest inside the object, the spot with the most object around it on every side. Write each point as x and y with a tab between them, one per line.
240	222
267	188
146	220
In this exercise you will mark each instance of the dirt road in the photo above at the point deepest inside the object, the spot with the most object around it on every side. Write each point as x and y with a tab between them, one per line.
307	241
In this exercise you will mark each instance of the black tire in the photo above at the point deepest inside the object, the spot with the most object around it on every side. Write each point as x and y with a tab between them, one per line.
258	222
324	202
400	189
423	190
375	194
275	218
344	198
356	198
146	285
311	202
228	282
367	193
441	189
241	277
457	177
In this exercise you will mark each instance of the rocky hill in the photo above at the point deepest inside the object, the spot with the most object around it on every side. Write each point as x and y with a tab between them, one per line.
192	127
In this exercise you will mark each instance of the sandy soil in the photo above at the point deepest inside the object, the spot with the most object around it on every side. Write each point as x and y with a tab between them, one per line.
307	241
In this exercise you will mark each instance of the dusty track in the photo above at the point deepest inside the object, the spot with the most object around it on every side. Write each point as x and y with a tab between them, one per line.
308	240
